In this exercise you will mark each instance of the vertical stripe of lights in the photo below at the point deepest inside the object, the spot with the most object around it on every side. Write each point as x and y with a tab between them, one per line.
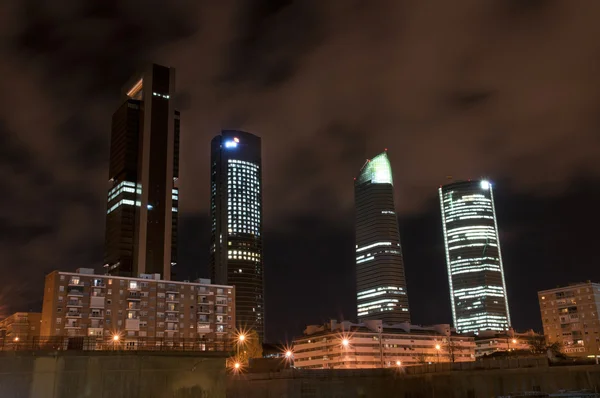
500	256
448	258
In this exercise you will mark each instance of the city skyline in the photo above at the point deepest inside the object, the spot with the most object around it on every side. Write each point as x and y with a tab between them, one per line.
449	89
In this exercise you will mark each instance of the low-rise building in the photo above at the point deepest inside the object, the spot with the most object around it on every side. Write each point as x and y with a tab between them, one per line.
19	328
488	342
82	304
570	317
373	345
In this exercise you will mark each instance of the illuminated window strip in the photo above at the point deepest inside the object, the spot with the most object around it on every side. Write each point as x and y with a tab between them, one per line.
373	245
122	202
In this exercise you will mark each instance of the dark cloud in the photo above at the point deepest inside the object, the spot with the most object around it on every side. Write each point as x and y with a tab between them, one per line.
506	90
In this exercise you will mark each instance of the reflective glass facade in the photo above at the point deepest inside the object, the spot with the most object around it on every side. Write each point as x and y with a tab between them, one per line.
380	279
473	257
236	211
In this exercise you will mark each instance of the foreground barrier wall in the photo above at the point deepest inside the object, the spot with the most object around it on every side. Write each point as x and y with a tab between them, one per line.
110	374
377	383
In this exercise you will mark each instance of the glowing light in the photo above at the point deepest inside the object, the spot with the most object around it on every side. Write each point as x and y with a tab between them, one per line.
237	365
241	338
398	363
231	144
514	341
16	339
345	342
236	140
437	347
288	354
116	337
377	170
485	185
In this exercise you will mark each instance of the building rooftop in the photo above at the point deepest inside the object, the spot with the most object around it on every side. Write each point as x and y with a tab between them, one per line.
372	326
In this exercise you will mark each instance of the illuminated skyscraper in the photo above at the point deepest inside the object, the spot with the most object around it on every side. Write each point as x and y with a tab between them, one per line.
236	253
141	215
473	257
380	279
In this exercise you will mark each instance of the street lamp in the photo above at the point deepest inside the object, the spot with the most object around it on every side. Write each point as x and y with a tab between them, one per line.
398	363
345	343
115	340
240	340
288	354
438	347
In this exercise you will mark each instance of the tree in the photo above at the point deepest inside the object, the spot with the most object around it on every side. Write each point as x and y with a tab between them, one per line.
452	348
251	348
539	345
420	358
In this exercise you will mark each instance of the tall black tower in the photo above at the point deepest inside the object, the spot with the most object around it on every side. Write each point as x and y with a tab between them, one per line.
380	279
141	215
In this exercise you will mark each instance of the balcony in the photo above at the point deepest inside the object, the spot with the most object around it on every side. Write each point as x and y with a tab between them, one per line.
134	296
172	299
172	289
96	302
174	309
96	315
75	293
132	324
221	303
133	308
72	325
204	310
71	314
74	303
171	319
75	282
97	324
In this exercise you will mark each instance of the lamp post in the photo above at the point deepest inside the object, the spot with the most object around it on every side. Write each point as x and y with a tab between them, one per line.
345	345
240	340
115	341
437	348
379	331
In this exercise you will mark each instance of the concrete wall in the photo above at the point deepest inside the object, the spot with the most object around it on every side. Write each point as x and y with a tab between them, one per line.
385	383
111	374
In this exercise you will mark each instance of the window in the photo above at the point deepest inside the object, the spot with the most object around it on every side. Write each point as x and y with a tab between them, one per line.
62	277
110	281
108	312
133	284
58	321
59	309
61	288
60	299
110	291
109	301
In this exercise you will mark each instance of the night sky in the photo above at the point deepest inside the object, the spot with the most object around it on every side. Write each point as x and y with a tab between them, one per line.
507	90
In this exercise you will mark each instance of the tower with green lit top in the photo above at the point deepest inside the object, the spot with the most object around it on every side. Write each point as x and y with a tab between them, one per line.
380	279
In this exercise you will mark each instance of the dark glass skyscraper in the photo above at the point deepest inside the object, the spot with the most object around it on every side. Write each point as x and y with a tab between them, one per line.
473	257
141	216
380	279
236	253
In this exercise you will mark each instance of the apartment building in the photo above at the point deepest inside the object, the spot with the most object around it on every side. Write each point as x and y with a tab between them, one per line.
488	342
373	344
85	304
570	317
19	328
